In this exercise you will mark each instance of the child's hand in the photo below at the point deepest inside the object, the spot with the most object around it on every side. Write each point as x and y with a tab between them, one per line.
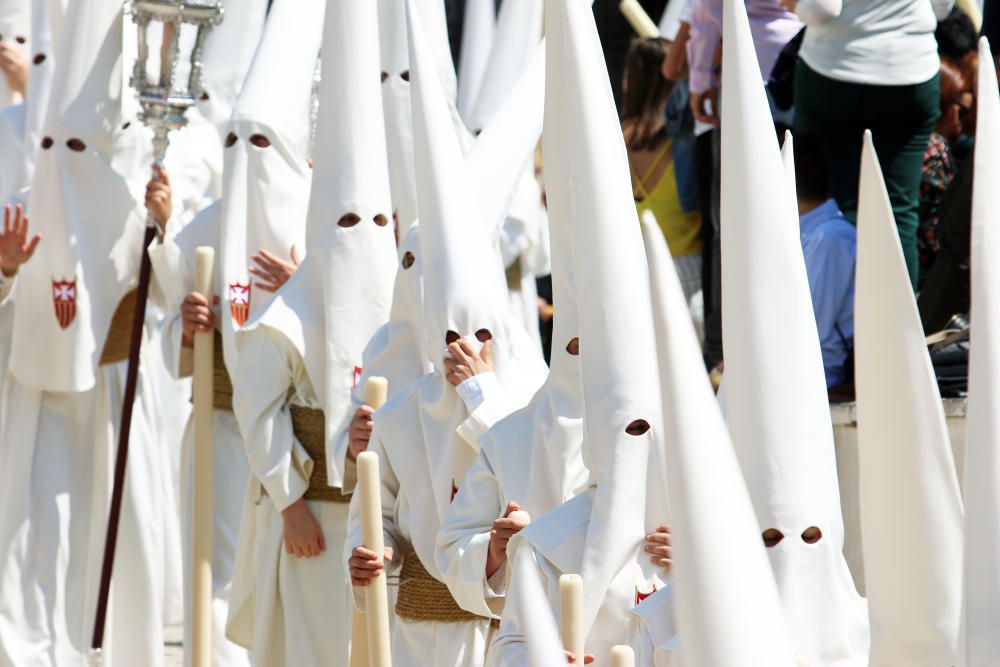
159	197
658	547
303	536
503	530
271	271
15	248
463	362
360	432
365	565
588	658
196	315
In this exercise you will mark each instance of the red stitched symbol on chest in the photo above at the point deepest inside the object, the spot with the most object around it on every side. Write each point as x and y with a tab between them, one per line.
64	300
357	377
454	491
639	597
239	302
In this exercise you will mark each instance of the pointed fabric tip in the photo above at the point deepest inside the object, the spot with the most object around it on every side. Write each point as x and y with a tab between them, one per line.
727	609
981	632
544	648
907	480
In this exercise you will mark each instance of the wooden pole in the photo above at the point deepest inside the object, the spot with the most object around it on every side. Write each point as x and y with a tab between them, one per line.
571	614
201	560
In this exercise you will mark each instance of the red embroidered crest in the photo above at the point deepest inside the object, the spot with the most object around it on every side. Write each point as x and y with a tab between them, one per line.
454	491
64	300
639	597
239	302
357	376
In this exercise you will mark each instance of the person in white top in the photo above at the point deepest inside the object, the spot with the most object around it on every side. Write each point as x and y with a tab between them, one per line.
871	65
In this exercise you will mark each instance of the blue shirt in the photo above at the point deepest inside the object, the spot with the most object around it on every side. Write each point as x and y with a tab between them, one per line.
829	243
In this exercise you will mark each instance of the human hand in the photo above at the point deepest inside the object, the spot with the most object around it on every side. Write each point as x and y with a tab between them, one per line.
273	271
359	432
675	64
15	249
196	315
14	65
790	5
303	536
159	197
588	658
463	362
503	529
658	547
364	565
706	113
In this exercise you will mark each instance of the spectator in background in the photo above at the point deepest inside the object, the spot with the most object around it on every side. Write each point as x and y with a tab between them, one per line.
829	244
939	163
662	160
872	64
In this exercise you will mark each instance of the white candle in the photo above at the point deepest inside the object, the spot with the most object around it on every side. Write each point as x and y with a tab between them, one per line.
622	656
376	392
376	594
201	561
571	614
639	19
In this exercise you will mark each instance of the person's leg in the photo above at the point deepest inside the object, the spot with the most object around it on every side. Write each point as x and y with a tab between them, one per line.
704	167
901	141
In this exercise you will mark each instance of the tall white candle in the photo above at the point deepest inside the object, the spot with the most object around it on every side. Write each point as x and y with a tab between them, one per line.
571	614
201	561
622	656
639	19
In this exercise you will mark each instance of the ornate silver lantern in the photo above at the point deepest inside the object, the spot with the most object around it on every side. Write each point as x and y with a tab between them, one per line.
167	74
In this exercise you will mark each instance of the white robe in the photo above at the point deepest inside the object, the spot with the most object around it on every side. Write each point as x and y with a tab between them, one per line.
57	489
410	515
286	610
567	526
653	631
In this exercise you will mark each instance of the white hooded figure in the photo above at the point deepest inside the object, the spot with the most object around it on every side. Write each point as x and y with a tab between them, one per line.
907	481
522	241
396	96
300	358
723	608
980	642
599	533
426	435
776	402
266	151
63	398
544	647
477	38
531	457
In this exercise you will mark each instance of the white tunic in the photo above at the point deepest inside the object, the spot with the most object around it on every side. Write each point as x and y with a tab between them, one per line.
567	526
286	610
653	631
57	489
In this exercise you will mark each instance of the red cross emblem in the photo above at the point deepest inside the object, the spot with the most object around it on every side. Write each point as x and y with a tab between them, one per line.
64	300
357	376
639	597
239	302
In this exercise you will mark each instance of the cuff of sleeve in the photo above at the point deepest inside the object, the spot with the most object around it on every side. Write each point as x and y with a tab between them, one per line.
477	389
6	287
495	587
285	491
482	420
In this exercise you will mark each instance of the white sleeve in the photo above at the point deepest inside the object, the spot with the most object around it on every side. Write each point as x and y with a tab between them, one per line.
464	539
261	386
816	12
491	405
389	491
6	287
509	647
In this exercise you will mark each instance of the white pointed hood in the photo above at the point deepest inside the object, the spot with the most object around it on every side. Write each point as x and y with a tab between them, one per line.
620	389
463	283
229	50
981	641
15	31
91	224
518	32
266	177
535	452
776	401
477	38
542	643
341	294
907	481
396	94
726	607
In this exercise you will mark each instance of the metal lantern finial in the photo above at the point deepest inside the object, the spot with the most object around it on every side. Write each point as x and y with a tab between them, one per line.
168	81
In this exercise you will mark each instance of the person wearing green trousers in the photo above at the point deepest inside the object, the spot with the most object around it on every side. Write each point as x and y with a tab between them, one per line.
871	65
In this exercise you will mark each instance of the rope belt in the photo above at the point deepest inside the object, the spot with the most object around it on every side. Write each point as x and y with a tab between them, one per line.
309	427
423	598
119	338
